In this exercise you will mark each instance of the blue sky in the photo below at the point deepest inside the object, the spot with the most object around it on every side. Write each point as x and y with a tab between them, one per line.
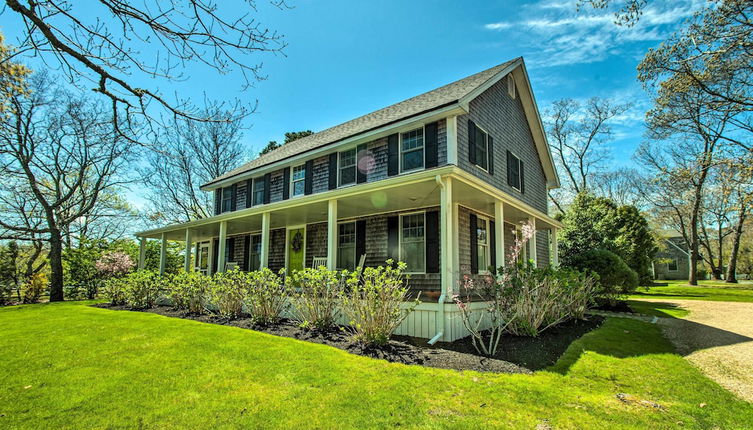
346	58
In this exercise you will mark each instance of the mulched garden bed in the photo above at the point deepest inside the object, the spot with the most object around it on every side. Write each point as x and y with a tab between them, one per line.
515	355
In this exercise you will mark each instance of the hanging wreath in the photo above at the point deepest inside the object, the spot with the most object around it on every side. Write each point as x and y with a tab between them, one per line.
297	242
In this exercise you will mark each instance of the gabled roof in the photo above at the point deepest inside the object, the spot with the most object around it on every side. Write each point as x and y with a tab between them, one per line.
458	92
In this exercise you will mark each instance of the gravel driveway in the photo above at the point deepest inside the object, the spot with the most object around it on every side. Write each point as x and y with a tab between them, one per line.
717	337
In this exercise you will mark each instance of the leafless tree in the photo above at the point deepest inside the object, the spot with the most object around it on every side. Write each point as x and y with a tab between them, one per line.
191	154
578	134
111	46
59	153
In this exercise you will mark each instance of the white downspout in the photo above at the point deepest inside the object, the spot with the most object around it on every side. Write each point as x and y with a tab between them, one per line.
443	208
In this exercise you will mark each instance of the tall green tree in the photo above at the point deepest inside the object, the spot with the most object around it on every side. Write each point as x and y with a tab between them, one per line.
289	137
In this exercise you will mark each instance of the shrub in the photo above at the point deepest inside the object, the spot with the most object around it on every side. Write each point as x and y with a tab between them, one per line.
267	296
6	293
114	290
316	296
114	264
615	278
189	291
227	292
34	287
142	288
373	302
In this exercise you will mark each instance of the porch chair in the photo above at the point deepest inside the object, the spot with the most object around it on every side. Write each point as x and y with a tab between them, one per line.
319	261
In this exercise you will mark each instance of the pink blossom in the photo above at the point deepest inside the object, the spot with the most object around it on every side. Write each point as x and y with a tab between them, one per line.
114	264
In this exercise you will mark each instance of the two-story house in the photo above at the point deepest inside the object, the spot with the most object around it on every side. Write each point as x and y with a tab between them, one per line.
441	181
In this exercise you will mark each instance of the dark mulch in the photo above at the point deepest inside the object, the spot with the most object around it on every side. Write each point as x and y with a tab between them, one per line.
515	355
620	306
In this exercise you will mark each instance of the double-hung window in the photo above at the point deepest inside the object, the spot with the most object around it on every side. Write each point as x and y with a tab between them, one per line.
412	149
254	253
346	246
227	199
413	242
514	171
672	265
482	243
298	184
482	149
259	184
347	167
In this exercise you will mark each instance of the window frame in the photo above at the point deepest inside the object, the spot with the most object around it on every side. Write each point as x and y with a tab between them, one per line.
400	240
256	183
520	175
339	246
487	256
228	200
512	90
486	146
677	265
422	149
294	181
251	252
340	167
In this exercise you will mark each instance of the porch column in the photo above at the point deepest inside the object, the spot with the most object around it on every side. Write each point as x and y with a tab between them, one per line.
532	243
332	234
221	247
499	232
555	249
142	252
162	254
264	257
187	262
447	237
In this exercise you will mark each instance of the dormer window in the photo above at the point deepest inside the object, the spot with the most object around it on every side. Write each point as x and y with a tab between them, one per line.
412	149
347	167
298	184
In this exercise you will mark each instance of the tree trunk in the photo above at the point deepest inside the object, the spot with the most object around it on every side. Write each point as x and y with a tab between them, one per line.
692	279
732	265
56	266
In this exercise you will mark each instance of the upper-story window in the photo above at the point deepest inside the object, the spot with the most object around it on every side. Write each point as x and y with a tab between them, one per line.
227	199
412	149
482	243
259	185
347	167
298	183
413	242
482	148
346	246
515	176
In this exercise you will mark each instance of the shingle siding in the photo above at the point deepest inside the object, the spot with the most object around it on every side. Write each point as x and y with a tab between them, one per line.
321	175
275	186
277	249
316	242
542	248
377	160
504	119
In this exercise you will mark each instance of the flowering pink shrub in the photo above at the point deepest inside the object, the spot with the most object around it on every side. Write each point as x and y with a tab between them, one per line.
114	264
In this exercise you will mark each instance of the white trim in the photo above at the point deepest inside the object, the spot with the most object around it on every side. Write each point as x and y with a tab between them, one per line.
400	239
400	149
355	245
511	90
452	140
520	175
677	265
486	141
485	269
287	244
201	245
250	249
293	180
499	232
340	167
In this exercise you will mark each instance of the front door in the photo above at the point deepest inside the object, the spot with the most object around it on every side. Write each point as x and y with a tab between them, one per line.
296	248
202	259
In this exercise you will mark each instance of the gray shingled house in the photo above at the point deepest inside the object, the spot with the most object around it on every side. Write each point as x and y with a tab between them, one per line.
441	181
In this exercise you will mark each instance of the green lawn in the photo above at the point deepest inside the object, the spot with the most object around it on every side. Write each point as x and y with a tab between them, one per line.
72	366
706	290
664	310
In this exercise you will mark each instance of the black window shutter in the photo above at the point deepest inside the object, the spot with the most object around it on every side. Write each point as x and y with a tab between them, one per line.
522	178
432	242
286	184
490	154
361	153
308	185
393	157
493	246
474	244
509	168
360	239
249	193
332	175
471	142
431	146
246	252
230	251
218	201
216	257
267	187
393	238
233	195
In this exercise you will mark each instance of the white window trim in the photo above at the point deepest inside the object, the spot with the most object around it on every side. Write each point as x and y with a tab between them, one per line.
355	257
677	266
222	200
250	252
484	270
511	88
253	191
293	181
400	239
400	148
486	142
520	175
340	167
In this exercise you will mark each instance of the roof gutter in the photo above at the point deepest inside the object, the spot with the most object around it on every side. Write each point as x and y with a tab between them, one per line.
440	301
